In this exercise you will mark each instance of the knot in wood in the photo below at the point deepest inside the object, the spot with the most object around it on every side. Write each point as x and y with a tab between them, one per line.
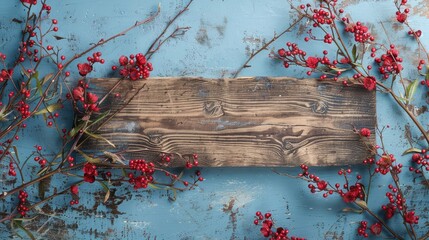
319	107
213	108
287	145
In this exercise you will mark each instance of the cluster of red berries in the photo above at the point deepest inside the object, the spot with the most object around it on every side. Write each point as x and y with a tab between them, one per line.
321	16
365	132
362	229
90	172
80	94
24	109
385	164
74	189
5	74
375	229
369	82
146	171
401	16
12	171
416	34
40	159
398	202
194	161
22	207
411	218
421	160
390	62
360	32
267	225
395	197
70	159
328	38
31	2
354	192
293	55
198	174
348	193
135	67
166	157
85	68
389	210
49	123
25	47
421	63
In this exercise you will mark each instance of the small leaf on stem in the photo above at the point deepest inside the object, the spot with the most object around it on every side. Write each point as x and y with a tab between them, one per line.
99	137
411	90
88	158
411	150
361	203
349	209
354	50
49	109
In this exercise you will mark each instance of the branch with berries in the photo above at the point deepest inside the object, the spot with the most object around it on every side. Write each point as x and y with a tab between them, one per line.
27	95
358	59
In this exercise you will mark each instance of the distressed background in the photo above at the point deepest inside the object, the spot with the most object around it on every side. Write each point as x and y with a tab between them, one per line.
222	35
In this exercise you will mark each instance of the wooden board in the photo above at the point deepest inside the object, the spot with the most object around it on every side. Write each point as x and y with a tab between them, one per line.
258	121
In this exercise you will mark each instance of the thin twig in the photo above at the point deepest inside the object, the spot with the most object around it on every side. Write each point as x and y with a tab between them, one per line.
265	46
152	47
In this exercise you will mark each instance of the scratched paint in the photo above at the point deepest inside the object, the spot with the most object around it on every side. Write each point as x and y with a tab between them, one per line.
222	35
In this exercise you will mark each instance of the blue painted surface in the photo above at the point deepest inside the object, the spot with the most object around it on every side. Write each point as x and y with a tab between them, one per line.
222	35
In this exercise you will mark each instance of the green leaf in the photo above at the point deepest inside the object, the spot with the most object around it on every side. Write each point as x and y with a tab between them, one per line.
402	98
153	186
354	50
88	158
105	187
35	75
107	190
100	117
76	129
361	203
124	173
113	157
42	171
3	115
40	83
25	219
106	197
411	150
49	109
99	137
340	69
411	90
29	234
349	209
16	153
46	78
43	187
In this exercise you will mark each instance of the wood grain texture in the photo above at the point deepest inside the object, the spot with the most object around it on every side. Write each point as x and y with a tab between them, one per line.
257	121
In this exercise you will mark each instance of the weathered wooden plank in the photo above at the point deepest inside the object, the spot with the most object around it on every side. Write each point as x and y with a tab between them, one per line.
242	122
